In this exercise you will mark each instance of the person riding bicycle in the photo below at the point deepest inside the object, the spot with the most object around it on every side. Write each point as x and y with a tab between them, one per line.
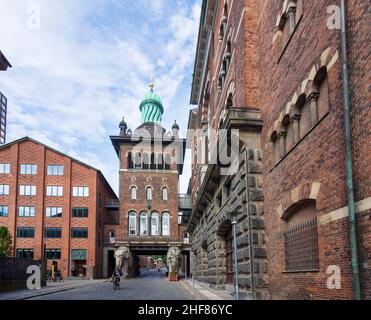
116	275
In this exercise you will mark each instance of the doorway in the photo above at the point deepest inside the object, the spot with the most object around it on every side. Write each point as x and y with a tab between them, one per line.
111	265
79	268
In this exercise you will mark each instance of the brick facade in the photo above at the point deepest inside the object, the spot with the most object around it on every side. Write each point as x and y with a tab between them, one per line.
76	174
285	65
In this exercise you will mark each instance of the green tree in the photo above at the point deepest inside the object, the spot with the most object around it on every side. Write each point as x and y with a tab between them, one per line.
5	242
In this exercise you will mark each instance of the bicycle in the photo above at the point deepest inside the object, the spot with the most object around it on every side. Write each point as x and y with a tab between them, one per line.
116	283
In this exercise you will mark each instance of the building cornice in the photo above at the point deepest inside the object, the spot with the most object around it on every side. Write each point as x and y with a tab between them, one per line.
206	24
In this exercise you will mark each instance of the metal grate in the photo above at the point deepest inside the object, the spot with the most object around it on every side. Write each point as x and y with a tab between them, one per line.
301	247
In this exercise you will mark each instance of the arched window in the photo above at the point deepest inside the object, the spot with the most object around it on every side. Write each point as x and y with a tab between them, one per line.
138	161
153	162
111	236
144	224
130	161
146	161
133	193
164	194
166	224
186	238
149	193
301	237
167	162
132	223
159	162
155	226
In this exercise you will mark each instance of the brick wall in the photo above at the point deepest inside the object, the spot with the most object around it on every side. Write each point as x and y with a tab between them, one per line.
319	156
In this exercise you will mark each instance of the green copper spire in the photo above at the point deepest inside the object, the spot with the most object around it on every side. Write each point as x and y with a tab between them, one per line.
151	107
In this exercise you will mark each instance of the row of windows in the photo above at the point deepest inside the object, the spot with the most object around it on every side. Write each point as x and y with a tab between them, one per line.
29	232
50	212
149	193
157	227
51	191
148	161
49	254
31	169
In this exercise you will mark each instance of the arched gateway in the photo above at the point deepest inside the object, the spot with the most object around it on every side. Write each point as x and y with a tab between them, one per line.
146	220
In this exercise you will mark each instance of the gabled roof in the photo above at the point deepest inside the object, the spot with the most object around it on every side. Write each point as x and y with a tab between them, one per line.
4	146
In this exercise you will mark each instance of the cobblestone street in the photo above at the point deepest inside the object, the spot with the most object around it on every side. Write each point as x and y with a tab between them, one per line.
151	285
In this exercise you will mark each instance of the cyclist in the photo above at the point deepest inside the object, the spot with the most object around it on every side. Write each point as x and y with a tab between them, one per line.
116	275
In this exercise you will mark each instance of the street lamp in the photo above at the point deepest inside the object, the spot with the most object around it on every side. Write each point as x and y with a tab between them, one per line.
234	227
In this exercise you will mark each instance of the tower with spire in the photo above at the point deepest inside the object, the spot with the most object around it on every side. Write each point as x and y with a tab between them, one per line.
151	160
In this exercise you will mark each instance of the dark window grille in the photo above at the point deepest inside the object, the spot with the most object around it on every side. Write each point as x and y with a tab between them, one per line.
52	254
53	233
25	253
80	212
79	233
301	247
25	232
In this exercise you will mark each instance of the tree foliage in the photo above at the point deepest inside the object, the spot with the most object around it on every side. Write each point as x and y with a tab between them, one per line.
5	242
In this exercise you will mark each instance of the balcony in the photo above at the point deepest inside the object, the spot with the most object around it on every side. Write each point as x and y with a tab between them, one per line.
112	204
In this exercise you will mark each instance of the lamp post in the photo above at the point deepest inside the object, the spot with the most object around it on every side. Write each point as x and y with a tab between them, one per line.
234	227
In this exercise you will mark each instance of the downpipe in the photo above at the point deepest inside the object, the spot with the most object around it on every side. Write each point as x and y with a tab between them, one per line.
348	151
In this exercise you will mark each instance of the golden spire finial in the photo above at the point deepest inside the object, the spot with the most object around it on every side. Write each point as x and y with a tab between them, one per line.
152	84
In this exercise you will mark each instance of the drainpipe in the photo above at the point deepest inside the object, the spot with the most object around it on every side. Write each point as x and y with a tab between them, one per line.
348	151
249	221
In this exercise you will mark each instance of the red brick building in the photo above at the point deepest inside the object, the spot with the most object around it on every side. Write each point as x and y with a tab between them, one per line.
151	160
54	207
279	63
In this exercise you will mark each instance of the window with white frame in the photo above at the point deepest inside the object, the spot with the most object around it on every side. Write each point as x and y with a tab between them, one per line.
80	192
27	190
4	189
164	194
4	168
155	226
29	169
26	211
53	212
54	191
4	211
55	170
132	223
149	193
166	224
144	224
133	193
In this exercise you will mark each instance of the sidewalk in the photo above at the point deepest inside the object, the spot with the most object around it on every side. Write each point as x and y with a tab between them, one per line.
53	287
202	291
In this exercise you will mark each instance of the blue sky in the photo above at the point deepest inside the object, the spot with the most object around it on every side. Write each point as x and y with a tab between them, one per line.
86	63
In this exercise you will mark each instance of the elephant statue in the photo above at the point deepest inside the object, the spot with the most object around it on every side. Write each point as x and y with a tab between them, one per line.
124	261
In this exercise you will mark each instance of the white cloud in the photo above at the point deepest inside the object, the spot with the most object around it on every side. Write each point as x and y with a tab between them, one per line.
74	78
